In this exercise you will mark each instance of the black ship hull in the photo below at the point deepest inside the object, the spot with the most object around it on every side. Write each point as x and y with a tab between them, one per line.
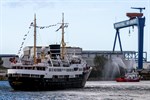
46	84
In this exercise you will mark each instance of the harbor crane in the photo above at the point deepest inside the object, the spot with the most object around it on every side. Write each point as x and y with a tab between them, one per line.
135	19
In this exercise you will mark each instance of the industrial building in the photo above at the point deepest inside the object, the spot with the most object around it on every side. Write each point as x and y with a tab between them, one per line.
88	55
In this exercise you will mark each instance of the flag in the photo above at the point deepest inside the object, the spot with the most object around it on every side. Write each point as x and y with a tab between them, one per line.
22	43
66	25
31	24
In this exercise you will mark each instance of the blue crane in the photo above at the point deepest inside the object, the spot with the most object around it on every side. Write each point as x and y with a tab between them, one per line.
135	19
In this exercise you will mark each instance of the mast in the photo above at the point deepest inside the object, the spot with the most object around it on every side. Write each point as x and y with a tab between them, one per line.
62	41
34	38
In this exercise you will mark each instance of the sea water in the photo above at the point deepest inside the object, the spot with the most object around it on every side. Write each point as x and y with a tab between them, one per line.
94	90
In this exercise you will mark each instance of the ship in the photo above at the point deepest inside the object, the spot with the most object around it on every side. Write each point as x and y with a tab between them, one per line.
54	70
129	77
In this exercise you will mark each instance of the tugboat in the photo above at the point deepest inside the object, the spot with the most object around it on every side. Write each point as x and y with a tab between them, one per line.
129	77
55	70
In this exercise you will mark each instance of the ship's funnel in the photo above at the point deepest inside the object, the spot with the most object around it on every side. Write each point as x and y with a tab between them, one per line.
54	50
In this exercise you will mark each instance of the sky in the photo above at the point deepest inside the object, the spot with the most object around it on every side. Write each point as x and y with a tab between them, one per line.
90	23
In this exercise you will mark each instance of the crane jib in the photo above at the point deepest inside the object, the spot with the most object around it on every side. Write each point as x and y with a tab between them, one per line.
126	23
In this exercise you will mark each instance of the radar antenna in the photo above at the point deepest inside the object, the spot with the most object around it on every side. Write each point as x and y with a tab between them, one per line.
139	8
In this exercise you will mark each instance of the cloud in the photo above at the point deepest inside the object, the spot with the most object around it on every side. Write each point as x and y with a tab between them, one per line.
12	4
21	3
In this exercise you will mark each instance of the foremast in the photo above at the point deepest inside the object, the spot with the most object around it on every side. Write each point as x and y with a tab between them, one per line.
63	44
34	39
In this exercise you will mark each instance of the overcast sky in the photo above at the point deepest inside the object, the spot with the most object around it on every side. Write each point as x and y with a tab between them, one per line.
90	23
